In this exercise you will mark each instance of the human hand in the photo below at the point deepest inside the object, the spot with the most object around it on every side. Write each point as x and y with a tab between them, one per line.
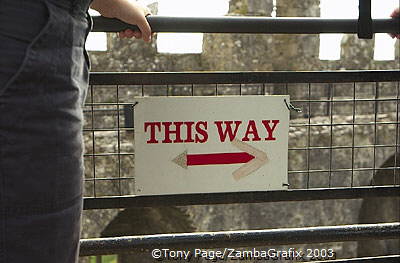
395	14
128	11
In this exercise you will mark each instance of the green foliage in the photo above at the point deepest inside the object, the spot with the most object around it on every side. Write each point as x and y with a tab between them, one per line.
105	259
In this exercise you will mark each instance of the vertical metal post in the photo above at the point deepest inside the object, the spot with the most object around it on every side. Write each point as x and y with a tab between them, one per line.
128	114
364	20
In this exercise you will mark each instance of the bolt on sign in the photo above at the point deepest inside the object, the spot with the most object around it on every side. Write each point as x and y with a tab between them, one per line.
211	144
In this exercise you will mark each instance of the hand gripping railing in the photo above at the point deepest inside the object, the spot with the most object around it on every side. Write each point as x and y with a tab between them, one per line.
365	27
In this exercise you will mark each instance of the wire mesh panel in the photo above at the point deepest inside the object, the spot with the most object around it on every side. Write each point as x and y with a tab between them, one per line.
346	135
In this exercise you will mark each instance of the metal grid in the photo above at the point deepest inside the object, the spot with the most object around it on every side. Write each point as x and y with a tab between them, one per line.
348	127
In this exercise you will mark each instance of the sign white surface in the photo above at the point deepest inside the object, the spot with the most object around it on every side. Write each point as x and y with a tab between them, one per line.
210	144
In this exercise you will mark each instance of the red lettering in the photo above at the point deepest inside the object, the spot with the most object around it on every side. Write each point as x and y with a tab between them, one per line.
201	131
189	136
168	132
270	129
228	130
153	126
251	130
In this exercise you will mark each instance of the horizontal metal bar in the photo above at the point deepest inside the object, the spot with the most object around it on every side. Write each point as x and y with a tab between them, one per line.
297	171
344	124
113	105
171	78
116	129
103	110
242	197
108	154
116	104
343	147
341	170
345	100
252	25
245	238
381	259
93	179
290	149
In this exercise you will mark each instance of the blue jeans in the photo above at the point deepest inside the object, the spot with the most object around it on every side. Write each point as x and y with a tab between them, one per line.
44	72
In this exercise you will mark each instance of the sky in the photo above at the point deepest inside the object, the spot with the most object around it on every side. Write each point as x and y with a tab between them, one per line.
192	43
330	43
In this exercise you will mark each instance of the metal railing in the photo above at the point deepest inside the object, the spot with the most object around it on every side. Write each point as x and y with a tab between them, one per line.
364	26
249	25
248	238
360	106
346	134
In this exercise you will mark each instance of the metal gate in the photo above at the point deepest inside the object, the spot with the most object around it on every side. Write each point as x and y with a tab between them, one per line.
345	116
356	114
328	104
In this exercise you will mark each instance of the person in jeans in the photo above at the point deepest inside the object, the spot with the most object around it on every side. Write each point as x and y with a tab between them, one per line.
44	72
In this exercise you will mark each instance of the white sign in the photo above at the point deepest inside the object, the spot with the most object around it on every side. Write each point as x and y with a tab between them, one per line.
210	144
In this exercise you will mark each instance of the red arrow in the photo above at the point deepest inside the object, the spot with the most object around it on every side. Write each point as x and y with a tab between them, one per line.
252	158
218	158
184	159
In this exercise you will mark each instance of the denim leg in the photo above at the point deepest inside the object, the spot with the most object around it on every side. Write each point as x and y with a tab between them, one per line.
41	165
